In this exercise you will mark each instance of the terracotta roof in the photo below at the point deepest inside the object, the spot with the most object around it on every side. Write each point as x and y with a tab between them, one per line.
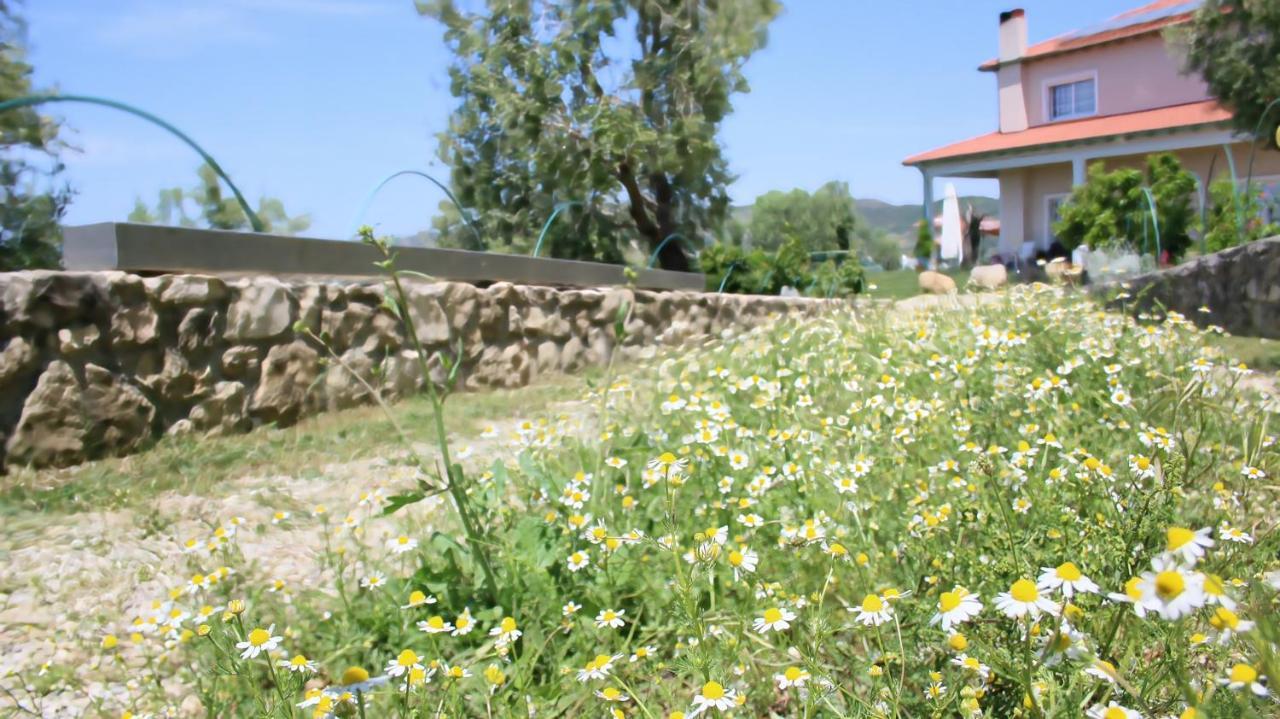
1151	17
1192	114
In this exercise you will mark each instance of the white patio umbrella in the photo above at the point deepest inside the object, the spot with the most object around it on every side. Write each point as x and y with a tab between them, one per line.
950	245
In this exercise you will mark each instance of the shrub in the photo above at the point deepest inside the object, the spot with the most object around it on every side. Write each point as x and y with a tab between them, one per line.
924	241
1110	209
1222	223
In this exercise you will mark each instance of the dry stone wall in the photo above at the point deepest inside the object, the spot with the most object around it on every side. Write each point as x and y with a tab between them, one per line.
101	363
1240	286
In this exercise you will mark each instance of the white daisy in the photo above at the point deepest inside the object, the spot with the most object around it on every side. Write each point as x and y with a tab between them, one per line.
774	619
610	618
713	695
259	640
1024	598
956	607
873	611
1187	544
1172	591
1068	578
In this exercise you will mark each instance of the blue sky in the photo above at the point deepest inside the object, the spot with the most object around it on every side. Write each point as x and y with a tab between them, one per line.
314	101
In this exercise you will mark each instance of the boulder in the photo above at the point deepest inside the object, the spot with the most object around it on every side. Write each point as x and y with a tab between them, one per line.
199	330
548	356
572	355
401	374
989	277
240	361
285	389
936	283
263	309
223	412
429	320
183	290
66	420
345	325
17	359
134	325
342	380
74	341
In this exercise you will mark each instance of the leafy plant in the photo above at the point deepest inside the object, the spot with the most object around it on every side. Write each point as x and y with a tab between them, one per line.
214	210
1235	46
1222	223
1111	209
924	241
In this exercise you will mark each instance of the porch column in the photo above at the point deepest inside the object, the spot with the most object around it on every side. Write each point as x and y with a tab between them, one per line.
1079	171
927	209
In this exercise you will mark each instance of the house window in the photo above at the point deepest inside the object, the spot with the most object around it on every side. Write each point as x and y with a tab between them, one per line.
1052	213
1073	99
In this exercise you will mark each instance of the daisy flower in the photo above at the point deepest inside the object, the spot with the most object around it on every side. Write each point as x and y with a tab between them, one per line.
373	581
298	664
643	653
873	611
1187	544
1243	676
1134	593
463	624
1112	711
713	695
774	619
259	640
610	618
435	625
570	609
1231	534
611	694
598	668
1068	578
791	677
956	607
402	544
1172	591
506	631
964	661
578	560
407	661
1022	599
417	599
1228	623
743	561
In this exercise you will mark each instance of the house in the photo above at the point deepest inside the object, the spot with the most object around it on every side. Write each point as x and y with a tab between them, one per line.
1113	92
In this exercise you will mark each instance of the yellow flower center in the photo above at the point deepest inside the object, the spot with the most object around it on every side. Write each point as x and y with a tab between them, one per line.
1169	585
1114	713
958	642
1132	589
948	601
1223	617
508	625
713	691
298	661
407	658
436	622
872	603
1068	572
611	694
792	673
417	597
735	558
667	458
402	540
771	616
1243	674
609	616
1178	538
258	637
1024	590
462	622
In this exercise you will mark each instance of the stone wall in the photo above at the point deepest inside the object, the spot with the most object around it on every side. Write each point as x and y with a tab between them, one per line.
101	363
1240	286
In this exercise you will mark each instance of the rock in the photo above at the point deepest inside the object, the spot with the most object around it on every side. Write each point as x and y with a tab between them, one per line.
401	375
198	331
224	411
311	304
49	300
74	341
51	429
263	309
571	355
65	420
134	326
936	283
548	356
343	326
429	320
180	428
176	382
240	361
1063	271
988	277
185	290
17	359
611	303
342	380
519	366
285	384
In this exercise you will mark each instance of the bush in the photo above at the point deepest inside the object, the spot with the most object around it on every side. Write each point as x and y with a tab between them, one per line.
763	273
832	279
1222	223
1111	210
924	242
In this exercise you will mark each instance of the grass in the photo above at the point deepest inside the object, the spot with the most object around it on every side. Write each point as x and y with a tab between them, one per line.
901	284
198	465
1258	353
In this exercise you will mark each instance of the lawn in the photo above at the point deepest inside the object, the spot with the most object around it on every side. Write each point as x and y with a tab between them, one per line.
1030	507
900	284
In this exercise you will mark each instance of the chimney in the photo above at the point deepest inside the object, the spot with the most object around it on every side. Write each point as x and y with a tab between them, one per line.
1013	46
1013	35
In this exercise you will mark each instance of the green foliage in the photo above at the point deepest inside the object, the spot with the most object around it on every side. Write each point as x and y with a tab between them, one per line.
1110	209
31	199
924	240
825	220
1235	46
765	273
214	210
553	108
1222	224
885	250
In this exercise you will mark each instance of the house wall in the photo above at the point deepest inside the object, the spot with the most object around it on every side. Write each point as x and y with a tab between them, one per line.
1138	74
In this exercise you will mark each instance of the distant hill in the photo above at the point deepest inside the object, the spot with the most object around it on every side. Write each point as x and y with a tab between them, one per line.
901	219
895	219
